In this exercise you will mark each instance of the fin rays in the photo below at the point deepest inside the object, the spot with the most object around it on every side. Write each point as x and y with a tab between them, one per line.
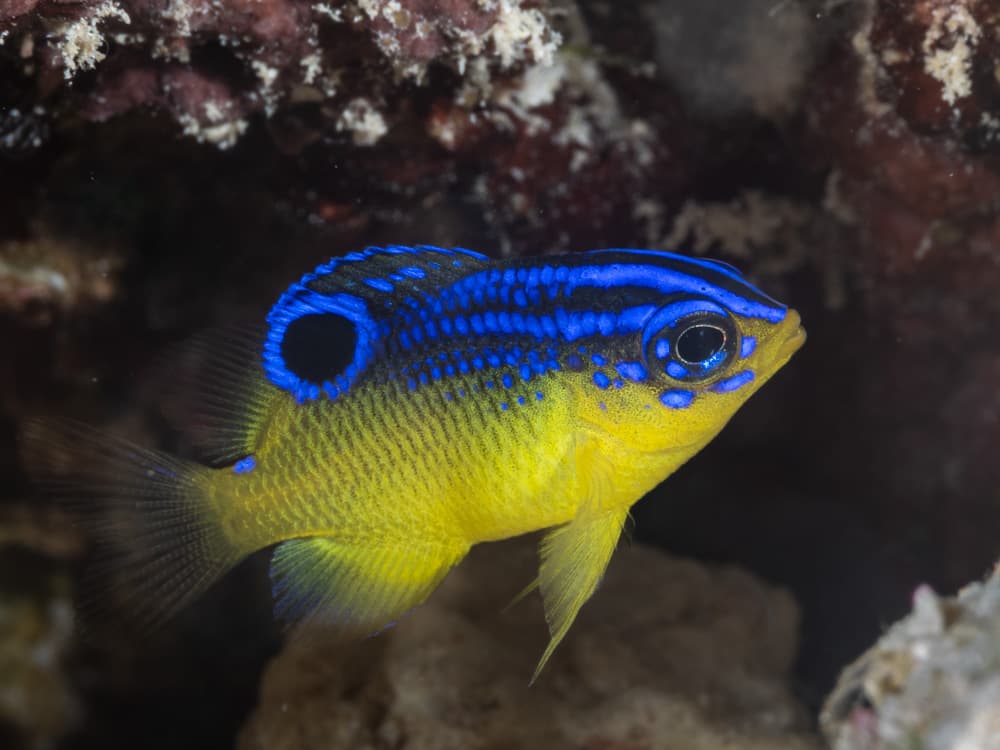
358	585
159	548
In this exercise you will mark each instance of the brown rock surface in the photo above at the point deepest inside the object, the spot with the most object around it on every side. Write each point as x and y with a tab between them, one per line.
668	653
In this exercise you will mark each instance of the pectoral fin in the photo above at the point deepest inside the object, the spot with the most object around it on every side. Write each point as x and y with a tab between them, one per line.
360	585
574	557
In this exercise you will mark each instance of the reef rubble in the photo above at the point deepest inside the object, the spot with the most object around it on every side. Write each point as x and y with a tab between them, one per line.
668	653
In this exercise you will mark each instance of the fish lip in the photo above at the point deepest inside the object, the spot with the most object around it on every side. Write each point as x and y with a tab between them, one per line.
794	340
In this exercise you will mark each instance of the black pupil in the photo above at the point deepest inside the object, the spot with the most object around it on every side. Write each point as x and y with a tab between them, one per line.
317	348
699	343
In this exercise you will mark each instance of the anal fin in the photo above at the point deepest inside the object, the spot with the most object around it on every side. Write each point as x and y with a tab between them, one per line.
574	557
358	584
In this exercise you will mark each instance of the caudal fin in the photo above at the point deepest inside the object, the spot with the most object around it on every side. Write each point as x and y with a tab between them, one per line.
156	542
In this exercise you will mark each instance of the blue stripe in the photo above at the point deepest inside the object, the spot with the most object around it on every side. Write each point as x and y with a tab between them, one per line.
667	282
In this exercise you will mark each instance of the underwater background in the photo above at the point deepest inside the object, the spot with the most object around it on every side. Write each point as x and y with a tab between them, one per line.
168	166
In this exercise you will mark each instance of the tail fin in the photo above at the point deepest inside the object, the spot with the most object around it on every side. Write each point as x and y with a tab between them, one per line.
158	546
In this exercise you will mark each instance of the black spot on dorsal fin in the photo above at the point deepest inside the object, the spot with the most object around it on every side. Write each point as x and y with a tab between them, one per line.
327	327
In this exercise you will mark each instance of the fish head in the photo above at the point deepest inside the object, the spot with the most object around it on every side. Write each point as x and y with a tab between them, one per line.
707	344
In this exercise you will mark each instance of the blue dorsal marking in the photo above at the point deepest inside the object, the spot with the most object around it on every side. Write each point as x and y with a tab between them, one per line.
416	300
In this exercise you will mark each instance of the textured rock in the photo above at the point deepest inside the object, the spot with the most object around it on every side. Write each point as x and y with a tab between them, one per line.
932	681
38	701
667	654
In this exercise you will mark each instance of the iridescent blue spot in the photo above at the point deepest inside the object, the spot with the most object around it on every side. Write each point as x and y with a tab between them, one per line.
574	362
520	299
533	326
449	370
404	339
461	393
476	321
245	465
431	329
538	396
550	327
598	360
478	363
493	359
447	396
733	383
677	399
503	406
618	383
510	358
381	284
413	272
507	380
520	400
601	380
445	326
632	370
677	370
525	372
331	390
748	345
456	263
396	277
662	349
490	320
411	384
461	325
423	378
489	384
417	334
436	373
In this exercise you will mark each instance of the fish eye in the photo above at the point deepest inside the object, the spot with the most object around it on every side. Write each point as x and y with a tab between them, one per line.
699	343
692	346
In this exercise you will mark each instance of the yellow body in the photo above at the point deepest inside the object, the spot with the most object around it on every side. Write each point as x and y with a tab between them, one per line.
393	470
545	396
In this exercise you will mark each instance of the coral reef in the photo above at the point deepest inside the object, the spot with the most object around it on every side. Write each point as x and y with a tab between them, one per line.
169	165
669	653
932	681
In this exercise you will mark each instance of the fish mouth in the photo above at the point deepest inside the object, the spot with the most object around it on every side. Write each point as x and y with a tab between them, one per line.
794	339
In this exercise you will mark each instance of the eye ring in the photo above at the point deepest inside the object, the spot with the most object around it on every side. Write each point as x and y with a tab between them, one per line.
691	342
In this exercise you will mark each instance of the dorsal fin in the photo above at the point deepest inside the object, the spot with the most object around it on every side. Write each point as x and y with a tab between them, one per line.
215	392
306	351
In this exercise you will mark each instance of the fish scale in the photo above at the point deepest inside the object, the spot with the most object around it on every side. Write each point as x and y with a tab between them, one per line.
407	403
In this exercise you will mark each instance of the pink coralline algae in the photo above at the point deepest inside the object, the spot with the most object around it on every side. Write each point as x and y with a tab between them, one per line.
211	65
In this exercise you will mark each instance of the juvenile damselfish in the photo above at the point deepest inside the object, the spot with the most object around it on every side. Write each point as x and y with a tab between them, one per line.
406	403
